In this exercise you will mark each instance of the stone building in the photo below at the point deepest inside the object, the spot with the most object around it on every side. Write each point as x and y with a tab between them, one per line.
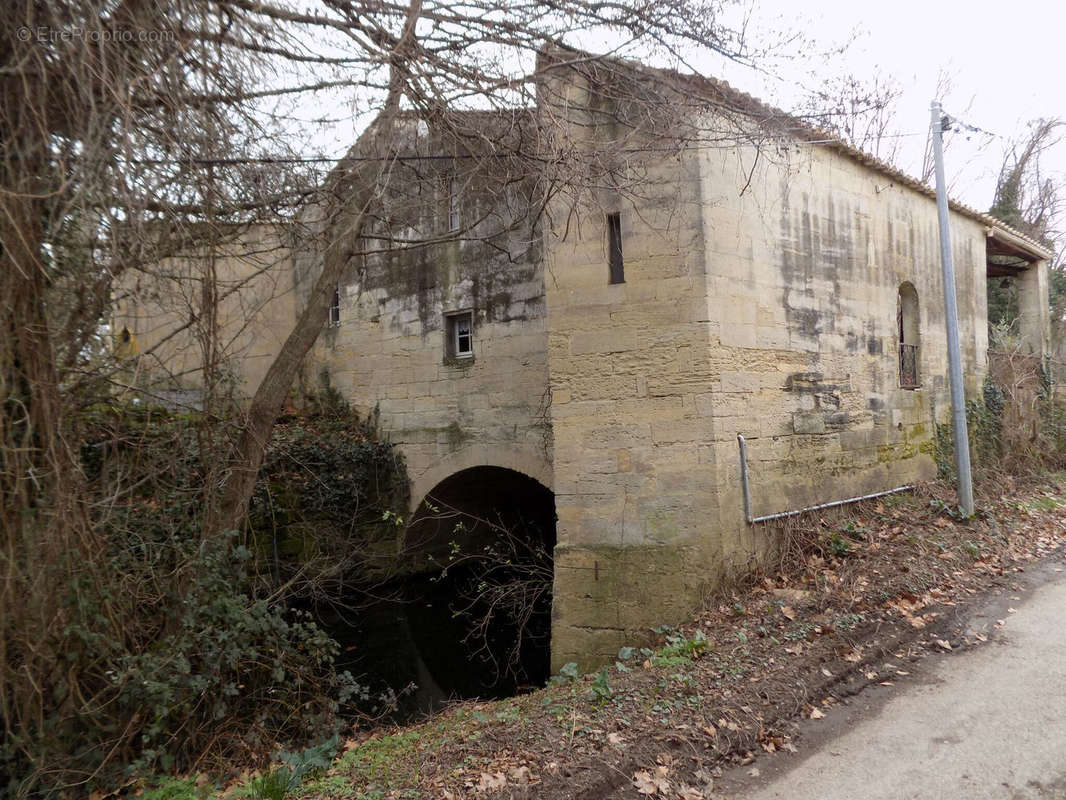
687	266
160	327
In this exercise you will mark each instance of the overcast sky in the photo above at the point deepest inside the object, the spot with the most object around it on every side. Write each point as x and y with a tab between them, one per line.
1005	60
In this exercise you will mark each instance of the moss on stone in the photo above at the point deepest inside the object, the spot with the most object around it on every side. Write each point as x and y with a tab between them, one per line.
887	453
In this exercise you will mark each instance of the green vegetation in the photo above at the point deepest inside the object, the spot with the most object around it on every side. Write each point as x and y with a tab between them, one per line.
1018	426
174	789
382	765
601	686
326	500
375	758
286	778
679	649
182	648
839	546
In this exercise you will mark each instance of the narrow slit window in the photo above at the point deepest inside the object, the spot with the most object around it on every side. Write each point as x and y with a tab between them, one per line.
453	205
460	330
335	309
614	248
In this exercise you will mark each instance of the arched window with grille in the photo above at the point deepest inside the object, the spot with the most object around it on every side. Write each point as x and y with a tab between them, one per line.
909	345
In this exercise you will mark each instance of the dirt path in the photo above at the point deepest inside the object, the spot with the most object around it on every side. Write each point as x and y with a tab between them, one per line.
989	722
868	604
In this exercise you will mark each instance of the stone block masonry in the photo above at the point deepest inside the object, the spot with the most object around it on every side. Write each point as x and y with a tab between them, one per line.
775	315
766	283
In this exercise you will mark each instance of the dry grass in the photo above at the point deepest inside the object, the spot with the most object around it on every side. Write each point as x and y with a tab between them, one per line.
850	589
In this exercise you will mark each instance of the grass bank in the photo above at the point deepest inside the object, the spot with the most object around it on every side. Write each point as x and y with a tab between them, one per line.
854	596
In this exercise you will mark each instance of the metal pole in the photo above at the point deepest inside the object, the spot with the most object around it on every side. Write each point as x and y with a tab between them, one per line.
951	316
745	487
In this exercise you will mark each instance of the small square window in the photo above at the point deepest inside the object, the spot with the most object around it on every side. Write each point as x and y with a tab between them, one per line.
459	329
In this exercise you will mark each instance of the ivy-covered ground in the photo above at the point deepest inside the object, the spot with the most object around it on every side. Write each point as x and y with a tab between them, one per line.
857	595
175	648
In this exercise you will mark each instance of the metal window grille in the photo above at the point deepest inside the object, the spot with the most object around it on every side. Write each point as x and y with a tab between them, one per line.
335	309
453	205
908	366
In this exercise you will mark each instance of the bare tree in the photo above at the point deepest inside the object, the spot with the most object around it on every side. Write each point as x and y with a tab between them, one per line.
131	133
860	112
1027	198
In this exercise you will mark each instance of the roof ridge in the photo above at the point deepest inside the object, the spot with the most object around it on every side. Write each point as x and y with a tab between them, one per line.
748	103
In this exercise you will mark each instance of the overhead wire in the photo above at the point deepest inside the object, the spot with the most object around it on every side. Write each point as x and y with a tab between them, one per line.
248	160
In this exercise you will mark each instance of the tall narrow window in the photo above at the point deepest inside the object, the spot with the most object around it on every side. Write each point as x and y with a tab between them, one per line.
907	320
459	329
335	309
614	248
453	204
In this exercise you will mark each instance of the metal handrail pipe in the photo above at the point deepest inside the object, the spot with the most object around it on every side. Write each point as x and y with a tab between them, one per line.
746	487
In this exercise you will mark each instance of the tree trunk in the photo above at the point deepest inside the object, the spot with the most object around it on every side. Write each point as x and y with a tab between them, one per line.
270	396
44	523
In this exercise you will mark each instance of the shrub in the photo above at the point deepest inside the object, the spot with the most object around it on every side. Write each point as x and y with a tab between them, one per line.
319	510
170	648
1018	425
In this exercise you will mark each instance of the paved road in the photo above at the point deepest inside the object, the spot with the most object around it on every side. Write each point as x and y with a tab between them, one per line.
986	723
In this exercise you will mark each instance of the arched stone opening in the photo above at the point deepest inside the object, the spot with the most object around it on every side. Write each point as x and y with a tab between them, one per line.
482	540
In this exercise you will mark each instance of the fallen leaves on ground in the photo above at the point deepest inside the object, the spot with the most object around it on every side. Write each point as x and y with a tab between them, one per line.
652	782
790	640
491	783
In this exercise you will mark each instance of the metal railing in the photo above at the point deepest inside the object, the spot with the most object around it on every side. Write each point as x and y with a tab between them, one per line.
745	487
908	366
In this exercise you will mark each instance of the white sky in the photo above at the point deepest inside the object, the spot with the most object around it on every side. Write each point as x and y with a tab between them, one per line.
1005	61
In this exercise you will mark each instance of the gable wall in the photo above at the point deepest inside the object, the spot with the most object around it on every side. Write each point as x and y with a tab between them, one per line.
804	271
760	298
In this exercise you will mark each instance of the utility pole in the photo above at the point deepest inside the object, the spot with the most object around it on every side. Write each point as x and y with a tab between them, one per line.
940	123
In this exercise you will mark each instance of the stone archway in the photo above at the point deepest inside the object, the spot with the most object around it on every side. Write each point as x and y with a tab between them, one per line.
426	475
485	537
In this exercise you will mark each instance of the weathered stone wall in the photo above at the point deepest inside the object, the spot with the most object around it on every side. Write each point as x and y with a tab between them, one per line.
389	350
804	272
163	309
1034	323
633	480
447	414
760	298
634	475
